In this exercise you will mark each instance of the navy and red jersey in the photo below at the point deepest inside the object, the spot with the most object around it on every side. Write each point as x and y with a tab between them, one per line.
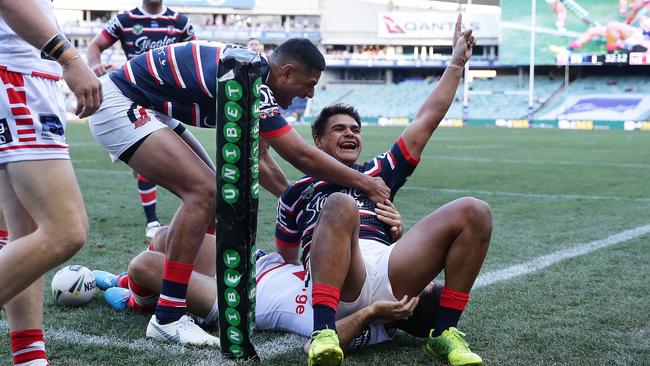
180	80
139	31
300	205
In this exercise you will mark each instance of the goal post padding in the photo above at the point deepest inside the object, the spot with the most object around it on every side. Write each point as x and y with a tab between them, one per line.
237	135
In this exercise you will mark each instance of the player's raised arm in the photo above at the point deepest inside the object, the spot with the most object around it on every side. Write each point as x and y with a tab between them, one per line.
434	108
27	20
319	165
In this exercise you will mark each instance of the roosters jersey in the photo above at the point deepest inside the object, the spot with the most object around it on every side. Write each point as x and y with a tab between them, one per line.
139	31
300	205
19	56
180	81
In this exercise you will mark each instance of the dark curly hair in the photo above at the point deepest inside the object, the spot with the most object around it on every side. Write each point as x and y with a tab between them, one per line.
318	126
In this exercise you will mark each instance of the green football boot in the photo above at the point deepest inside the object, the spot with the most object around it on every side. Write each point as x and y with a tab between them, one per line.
324	349
451	346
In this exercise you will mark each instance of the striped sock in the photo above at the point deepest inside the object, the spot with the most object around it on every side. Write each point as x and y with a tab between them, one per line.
147	192
171	303
141	298
4	238
28	347
452	304
325	301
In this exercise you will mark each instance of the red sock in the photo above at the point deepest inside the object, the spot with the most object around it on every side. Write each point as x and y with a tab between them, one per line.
4	238
325	295
211	230
453	299
141	298
123	281
28	346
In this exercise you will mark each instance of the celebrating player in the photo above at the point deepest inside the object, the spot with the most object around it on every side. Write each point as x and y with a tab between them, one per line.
147	27
39	194
282	301
179	81
347	249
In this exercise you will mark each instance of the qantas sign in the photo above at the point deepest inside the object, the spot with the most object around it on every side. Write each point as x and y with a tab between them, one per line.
436	25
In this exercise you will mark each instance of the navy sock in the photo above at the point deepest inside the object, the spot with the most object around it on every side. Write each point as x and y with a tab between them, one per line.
445	319
324	317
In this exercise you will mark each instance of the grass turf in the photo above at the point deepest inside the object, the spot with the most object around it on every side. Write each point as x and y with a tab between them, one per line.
549	190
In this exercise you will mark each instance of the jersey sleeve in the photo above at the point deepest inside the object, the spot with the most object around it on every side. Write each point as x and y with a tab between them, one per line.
272	124
188	30
113	30
287	234
394	166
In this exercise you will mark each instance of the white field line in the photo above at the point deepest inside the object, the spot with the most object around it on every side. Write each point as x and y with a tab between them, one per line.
539	263
537	162
527	195
287	342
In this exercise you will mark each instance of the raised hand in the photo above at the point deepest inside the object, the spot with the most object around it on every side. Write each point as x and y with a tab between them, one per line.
463	41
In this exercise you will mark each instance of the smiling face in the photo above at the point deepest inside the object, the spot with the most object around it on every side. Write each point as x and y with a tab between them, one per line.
341	138
294	81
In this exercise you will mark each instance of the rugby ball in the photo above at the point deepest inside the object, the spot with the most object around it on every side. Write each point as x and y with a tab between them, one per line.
73	285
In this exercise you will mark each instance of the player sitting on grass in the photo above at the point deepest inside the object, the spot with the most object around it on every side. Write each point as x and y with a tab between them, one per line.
282	302
347	250
180	81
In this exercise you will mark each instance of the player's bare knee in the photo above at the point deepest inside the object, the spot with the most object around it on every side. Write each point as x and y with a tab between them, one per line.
202	199
138	267
476	213
341	206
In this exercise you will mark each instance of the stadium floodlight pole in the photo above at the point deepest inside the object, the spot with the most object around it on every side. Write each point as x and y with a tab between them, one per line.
531	70
465	85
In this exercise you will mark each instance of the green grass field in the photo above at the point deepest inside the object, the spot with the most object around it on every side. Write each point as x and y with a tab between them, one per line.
514	45
551	191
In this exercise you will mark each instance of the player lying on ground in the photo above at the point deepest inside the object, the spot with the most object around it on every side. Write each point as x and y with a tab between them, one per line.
347	250
179	81
633	35
282	301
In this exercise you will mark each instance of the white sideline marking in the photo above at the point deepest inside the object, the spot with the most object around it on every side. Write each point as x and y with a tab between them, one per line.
537	162
535	265
291	342
528	195
524	27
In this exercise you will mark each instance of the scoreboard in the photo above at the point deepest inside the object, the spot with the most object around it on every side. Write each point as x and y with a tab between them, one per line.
622	58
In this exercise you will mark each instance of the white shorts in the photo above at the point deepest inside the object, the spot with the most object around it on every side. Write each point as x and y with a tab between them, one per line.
32	119
377	286
636	39
283	303
119	123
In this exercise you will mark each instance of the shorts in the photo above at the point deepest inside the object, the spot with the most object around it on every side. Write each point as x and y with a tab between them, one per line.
120	123
32	119
283	302
377	285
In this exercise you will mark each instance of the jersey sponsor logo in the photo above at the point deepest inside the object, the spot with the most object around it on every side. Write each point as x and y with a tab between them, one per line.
171	29
362	339
5	133
300	301
138	115
137	29
268	106
52	128
143	44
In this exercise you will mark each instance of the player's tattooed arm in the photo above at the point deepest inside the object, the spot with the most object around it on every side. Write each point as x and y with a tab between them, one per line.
272	177
434	108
